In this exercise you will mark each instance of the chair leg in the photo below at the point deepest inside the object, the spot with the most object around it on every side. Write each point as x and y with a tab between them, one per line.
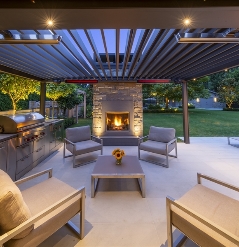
74	160
167	160
176	149
64	150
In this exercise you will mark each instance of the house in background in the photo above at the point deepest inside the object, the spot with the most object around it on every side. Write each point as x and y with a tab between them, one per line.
211	102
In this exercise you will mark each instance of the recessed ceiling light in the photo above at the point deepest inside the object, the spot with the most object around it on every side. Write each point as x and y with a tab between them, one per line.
50	23
186	21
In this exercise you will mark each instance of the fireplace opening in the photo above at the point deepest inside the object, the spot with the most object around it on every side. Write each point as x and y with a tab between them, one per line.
117	121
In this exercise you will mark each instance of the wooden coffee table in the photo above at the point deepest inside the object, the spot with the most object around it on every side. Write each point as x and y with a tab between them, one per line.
105	167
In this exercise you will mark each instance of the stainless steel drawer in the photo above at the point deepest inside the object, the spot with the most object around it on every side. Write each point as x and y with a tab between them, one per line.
25	150
24	162
37	154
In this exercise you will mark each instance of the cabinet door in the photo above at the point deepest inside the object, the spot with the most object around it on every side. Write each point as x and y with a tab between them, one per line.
3	156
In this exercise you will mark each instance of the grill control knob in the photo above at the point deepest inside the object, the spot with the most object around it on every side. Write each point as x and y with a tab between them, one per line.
28	139
32	137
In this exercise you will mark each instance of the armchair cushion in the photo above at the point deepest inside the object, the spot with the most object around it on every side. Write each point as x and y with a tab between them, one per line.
13	209
84	147
212	205
49	192
78	134
156	147
160	134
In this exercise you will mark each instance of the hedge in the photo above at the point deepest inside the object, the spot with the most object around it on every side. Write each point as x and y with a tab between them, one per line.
170	110
230	109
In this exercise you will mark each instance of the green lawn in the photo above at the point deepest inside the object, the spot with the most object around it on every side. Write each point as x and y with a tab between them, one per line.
201	122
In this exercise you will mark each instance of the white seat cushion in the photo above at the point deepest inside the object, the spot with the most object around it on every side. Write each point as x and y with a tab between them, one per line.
156	147
84	147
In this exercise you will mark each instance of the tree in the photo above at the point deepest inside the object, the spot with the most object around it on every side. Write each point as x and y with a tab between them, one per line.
228	91
69	101
147	91
215	79
17	87
54	91
196	88
172	91
168	91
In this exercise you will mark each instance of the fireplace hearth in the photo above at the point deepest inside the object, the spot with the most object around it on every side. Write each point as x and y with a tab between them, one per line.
117	121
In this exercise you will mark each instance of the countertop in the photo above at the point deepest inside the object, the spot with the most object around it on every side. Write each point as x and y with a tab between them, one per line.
50	121
5	137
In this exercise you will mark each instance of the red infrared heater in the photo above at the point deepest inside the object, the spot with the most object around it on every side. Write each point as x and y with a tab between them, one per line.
81	81
153	81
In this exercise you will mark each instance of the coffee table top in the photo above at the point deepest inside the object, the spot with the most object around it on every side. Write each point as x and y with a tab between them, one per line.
106	165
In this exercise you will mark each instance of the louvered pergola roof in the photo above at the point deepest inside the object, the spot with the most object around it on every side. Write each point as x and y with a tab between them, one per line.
119	43
119	55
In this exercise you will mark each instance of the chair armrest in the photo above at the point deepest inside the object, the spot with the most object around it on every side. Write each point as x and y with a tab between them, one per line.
223	232
12	233
49	171
230	186
175	139
98	138
69	142
142	138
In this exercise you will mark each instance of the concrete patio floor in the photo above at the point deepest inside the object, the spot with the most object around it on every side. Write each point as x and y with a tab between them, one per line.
118	215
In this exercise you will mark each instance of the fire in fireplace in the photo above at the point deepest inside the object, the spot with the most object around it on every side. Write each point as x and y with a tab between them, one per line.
117	121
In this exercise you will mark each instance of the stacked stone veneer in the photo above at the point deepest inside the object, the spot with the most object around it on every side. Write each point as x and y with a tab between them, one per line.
119	92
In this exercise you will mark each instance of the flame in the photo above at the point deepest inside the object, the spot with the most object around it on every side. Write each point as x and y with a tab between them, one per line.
117	121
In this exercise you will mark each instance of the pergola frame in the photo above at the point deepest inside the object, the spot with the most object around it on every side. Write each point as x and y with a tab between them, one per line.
157	54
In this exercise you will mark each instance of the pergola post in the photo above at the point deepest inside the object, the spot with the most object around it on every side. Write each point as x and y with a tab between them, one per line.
42	98
185	112
84	105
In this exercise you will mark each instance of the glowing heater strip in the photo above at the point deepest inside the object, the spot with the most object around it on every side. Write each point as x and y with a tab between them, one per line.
81	81
153	81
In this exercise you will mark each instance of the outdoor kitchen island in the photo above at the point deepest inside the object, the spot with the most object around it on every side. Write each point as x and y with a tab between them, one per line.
26	140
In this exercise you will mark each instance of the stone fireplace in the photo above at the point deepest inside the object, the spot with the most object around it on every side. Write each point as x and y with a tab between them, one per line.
118	112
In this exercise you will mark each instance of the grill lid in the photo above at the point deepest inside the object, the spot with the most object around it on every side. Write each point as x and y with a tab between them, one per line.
10	124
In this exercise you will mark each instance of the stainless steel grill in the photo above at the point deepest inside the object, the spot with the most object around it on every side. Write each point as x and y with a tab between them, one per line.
28	127
11	124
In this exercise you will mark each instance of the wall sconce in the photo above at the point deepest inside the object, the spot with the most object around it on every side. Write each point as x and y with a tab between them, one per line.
215	99
198	100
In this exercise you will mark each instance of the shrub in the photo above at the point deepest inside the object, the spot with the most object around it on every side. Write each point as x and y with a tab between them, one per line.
190	106
163	110
230	109
68	122
154	107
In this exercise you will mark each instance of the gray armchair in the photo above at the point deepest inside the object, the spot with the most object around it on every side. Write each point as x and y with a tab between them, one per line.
80	141
160	141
